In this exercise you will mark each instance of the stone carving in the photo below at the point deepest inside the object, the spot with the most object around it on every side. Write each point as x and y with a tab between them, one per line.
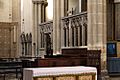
26	42
75	30
48	44
46	32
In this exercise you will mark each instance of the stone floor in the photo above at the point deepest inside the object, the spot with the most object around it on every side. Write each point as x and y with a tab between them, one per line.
114	78
9	77
111	78
13	77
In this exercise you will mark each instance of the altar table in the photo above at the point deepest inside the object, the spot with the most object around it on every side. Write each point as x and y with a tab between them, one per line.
60	73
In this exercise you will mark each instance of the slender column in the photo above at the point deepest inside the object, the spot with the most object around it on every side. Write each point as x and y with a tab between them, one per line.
65	7
67	37
62	15
83	35
36	25
63	35
80	5
33	34
43	12
57	26
52	40
42	40
38	29
70	33
104	35
66	33
79	33
75	36
79	36
64	38
35	30
37	14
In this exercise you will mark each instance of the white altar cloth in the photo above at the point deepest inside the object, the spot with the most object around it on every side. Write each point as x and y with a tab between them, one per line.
55	71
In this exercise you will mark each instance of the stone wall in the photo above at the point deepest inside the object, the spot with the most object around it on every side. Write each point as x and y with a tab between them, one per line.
5	10
10	14
26	16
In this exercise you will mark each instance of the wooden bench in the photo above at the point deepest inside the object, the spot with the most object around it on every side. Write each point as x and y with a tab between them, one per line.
7	67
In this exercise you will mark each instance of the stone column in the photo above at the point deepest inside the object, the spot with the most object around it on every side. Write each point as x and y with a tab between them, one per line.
58	12
43	14
62	28
80	5
39	13
43	11
83	35
38	28
35	29
37	17
79	36
97	28
75	36
70	34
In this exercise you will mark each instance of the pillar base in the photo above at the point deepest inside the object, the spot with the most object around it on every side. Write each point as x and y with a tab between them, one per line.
104	75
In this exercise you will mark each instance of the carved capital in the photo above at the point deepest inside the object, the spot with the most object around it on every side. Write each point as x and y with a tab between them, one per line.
36	1
40	2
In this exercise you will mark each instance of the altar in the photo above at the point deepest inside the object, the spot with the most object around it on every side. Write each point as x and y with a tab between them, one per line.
60	73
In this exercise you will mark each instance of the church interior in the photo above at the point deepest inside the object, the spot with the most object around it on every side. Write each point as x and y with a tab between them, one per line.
59	39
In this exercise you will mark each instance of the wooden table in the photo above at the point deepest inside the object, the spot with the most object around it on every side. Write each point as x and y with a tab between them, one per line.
60	73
